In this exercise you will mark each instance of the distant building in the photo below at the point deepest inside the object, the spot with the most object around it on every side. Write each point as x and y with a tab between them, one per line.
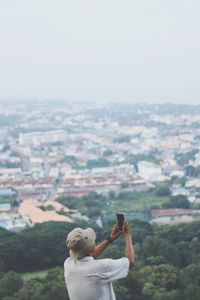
181	191
5	207
175	215
197	159
148	170
10	171
3	135
193	183
6	192
177	173
42	137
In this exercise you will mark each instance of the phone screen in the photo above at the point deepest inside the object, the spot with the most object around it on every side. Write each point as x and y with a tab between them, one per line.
120	220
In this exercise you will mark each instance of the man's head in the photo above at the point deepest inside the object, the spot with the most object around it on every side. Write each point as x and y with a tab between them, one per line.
80	242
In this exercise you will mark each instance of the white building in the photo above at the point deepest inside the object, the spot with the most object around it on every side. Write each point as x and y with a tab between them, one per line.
197	159
3	134
175	215
42	137
193	183
148	170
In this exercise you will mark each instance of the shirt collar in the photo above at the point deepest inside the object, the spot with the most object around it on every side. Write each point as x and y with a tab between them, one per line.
86	258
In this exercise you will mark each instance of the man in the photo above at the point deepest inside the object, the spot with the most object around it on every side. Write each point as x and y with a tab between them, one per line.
88	278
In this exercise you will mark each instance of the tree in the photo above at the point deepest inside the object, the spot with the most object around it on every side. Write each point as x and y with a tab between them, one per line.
178	180
160	282
9	298
37	248
107	153
191	171
167	261
162	191
191	292
183	257
179	201
124	185
93	163
184	158
122	139
10	283
155	246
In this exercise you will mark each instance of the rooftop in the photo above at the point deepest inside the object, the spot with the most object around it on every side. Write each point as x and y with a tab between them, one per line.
157	213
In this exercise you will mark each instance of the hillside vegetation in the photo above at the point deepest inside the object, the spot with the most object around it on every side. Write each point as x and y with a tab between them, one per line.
167	262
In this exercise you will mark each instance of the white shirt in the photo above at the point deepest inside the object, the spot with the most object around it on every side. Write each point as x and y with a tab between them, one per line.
90	279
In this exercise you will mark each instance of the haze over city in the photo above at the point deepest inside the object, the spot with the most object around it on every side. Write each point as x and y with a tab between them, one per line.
99	149
100	50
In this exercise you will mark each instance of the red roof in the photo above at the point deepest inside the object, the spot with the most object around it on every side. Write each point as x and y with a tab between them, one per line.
157	213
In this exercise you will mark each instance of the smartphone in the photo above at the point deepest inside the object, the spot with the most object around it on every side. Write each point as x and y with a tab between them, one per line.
120	221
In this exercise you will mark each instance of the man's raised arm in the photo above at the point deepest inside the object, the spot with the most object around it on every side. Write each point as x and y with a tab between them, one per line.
109	239
129	250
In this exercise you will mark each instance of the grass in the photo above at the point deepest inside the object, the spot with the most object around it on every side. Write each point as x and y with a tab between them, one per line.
133	202
35	274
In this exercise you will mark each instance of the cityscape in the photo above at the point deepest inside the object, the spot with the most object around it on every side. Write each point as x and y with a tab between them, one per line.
55	151
99	150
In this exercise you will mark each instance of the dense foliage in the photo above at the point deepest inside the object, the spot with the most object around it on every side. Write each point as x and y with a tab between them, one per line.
167	262
94	204
37	248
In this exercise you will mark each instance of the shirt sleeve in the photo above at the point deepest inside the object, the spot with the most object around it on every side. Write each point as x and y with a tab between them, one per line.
116	269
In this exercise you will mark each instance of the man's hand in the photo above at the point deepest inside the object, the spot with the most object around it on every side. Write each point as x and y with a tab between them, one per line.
115	232
129	250
126	229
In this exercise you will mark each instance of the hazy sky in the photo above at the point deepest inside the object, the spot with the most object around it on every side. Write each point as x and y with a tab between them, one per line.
113	50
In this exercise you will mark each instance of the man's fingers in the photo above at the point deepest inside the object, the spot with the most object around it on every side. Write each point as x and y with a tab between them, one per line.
118	234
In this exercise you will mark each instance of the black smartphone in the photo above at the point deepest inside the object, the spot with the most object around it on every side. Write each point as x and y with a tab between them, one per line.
120	221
